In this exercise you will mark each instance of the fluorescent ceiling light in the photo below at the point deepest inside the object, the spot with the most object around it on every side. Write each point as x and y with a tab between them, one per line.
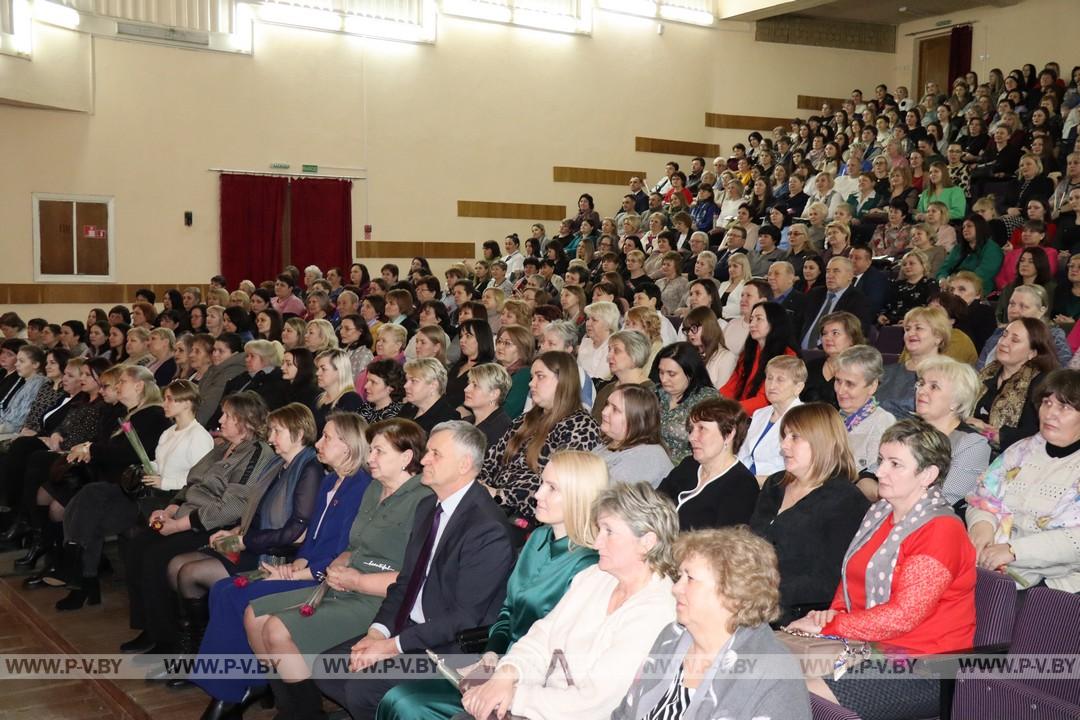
685	15
644	8
479	10
53	14
299	16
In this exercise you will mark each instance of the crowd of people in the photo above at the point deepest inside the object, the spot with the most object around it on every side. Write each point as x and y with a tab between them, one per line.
663	433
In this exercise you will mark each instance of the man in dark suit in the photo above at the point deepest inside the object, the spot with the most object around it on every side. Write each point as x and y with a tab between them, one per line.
871	282
781	277
454	576
837	295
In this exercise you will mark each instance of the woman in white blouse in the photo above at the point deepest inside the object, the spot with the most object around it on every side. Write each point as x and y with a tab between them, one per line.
601	320
183	444
785	377
731	290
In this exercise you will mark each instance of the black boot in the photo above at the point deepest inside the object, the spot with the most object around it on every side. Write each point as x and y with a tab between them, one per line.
20	527
297	701
89	593
194	615
139	644
69	571
47	539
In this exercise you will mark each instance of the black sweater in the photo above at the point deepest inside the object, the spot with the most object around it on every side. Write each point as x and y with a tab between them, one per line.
810	538
726	500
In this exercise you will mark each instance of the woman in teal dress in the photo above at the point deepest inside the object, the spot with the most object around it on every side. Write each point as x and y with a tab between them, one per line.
357	579
557	550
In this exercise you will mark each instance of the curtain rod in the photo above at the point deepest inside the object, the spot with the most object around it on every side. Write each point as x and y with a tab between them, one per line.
939	29
287	174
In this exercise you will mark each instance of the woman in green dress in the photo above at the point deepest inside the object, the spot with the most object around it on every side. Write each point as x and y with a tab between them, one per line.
557	550
358	579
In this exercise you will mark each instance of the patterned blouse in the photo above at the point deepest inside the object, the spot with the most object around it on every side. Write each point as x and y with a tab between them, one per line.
514	481
372	414
906	296
48	398
673	420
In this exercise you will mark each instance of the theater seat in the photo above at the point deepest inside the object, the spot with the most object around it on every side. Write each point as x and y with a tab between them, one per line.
890	339
1047	625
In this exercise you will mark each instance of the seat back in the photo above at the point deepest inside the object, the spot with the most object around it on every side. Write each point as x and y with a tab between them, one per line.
995	608
890	339
1047	625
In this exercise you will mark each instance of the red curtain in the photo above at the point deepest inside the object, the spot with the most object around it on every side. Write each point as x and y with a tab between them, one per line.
959	54
252	215
320	228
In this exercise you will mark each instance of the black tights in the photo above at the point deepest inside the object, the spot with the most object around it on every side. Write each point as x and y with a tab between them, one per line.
192	574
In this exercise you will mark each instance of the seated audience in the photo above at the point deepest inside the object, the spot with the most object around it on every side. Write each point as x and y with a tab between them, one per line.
603	625
227	363
425	398
924	600
485	398
770	336
858	373
975	251
703	332
333	375
28	378
913	288
511	471
711	488
1021	517
785	377
630	432
810	508
477	347
298	371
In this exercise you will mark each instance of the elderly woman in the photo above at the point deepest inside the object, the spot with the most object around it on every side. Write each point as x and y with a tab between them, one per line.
945	395
1006	410
1027	301
923	601
631	446
858	373
809	510
556	421
703	332
217	493
1022	517
839	331
262	363
604	623
485	397
927	331
425	388
711	488
345	497
514	350
785	378
385	390
684	383
603	320
628	360
727	593
554	555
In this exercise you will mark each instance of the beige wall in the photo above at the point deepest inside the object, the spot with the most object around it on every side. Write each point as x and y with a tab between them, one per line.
483	114
1033	31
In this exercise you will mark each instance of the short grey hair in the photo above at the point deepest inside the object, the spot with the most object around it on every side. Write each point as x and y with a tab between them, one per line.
636	345
466	438
314	270
708	256
644	510
963	378
349	294
863	358
565	331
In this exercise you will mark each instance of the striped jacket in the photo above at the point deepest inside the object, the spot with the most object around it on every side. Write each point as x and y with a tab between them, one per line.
219	488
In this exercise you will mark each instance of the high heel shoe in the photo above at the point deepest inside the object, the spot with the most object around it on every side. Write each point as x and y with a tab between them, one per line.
88	594
35	553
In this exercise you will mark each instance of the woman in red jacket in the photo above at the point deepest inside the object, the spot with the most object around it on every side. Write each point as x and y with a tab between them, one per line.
908	578
770	336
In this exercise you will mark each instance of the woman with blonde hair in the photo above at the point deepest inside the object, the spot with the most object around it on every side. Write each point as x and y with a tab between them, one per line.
319	336
162	345
333	375
731	289
912	289
556	421
431	341
602	319
389	345
485	398
556	552
647	322
927	331
293	333
494	298
727	595
215	320
810	510
425	388
137	347
262	376
624	601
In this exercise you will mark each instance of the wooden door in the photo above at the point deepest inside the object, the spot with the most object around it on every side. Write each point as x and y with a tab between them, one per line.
933	64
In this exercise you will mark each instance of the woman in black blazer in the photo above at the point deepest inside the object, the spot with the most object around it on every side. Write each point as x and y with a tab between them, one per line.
811	510
711	488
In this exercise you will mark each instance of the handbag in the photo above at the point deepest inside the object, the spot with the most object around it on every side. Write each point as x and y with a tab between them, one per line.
480	674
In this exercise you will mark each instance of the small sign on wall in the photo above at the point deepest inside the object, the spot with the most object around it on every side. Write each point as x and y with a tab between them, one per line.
94	232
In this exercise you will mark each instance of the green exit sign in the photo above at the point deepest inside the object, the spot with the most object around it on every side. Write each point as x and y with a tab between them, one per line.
311	168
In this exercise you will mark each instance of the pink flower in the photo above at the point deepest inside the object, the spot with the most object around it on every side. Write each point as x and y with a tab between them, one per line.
126	426
240	581
306	610
521	523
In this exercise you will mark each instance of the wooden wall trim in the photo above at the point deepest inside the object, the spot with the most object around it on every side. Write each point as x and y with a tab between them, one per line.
86	294
510	211
744	122
594	176
814	102
676	147
413	248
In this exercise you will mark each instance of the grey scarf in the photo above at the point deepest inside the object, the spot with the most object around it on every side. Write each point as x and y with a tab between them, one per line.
879	571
